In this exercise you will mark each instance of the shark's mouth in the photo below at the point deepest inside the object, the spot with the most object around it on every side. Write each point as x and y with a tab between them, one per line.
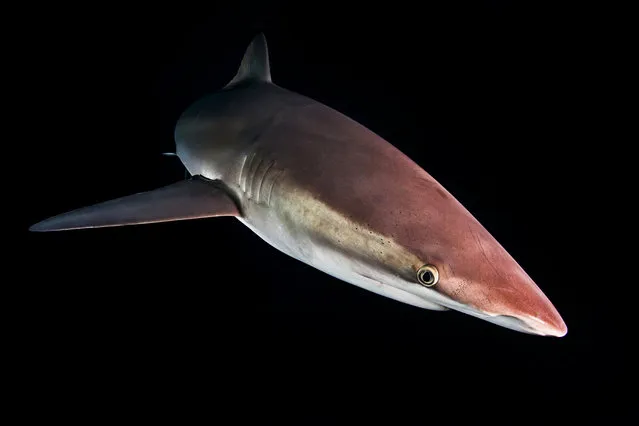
398	294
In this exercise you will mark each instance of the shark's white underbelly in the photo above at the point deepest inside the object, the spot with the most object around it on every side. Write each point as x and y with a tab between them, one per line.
289	229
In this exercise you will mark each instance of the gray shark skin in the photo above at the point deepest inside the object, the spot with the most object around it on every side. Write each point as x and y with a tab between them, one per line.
327	191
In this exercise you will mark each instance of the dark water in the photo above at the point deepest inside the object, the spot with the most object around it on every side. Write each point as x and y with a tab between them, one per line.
170	320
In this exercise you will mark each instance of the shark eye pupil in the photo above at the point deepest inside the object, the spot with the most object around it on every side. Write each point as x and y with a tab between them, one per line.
428	275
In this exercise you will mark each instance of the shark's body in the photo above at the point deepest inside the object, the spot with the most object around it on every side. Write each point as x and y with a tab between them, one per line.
329	192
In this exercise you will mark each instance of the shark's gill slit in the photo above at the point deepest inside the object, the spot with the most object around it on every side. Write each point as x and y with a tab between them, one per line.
254	177
264	175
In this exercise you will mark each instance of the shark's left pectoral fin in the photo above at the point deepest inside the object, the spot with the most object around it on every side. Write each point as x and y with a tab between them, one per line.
194	198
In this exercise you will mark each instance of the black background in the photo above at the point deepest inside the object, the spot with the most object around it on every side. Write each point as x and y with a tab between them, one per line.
204	317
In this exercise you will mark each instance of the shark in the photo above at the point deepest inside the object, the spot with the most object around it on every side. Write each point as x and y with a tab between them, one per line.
327	191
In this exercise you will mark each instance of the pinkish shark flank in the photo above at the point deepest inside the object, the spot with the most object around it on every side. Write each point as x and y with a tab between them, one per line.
327	191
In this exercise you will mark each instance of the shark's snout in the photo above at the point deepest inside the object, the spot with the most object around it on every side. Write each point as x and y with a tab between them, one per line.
511	300
483	280
521	305
531	324
555	328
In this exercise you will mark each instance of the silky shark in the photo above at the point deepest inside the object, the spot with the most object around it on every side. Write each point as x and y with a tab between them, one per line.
329	192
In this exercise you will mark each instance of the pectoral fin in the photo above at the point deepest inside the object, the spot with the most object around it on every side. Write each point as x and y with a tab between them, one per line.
194	198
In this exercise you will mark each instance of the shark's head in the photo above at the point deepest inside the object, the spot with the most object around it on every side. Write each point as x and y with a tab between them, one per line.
472	273
452	261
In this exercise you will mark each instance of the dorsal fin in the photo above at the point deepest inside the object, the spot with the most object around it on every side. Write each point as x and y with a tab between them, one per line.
255	65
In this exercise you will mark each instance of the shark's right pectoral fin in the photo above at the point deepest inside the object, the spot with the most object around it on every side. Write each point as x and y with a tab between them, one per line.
194	198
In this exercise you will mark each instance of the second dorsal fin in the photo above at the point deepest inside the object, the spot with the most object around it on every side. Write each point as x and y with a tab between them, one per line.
255	64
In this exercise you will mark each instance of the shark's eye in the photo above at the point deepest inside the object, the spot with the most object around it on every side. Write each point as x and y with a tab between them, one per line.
428	275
